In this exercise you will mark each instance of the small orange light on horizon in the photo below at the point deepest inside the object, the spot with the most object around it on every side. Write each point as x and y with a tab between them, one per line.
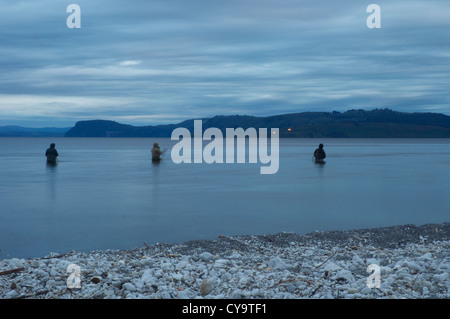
289	129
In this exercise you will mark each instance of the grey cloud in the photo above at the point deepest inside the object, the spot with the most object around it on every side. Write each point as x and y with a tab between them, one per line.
169	60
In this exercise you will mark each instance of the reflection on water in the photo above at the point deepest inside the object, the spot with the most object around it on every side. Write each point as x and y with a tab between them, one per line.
51	181
51	165
107	193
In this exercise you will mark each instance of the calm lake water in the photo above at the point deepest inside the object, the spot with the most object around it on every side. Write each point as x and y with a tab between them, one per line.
107	194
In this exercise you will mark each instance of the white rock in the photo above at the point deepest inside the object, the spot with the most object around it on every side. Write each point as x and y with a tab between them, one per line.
109	294
444	266
308	253
166	266
130	287
206	257
63	264
177	277
257	293
226	276
234	255
147	278
236	294
331	266
427	283
441	277
221	271
11	294
385	270
220	263
147	275
165	295
358	260
243	281
54	272
277	263
413	265
182	294
233	270
50	283
366	290
16	263
181	265
246	294
290	288
346	274
41	273
427	256
352	290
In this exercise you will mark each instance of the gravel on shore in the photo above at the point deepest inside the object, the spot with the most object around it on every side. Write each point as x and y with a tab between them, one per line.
411	261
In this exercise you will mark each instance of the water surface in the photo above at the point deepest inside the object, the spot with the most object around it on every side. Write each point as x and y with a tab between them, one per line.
107	194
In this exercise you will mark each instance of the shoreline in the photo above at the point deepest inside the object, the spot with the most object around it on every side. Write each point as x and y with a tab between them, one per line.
413	262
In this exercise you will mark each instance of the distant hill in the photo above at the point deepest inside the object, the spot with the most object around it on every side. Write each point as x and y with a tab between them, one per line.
18	131
378	123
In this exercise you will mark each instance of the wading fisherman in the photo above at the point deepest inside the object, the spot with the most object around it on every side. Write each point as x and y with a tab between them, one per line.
51	153
319	154
156	153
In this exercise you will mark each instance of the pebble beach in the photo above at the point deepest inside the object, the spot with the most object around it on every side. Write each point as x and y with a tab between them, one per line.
410	261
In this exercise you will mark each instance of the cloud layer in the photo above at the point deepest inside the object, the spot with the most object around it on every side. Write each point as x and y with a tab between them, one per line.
150	62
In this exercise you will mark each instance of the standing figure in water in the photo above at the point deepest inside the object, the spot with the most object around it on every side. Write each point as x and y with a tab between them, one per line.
319	154
156	153
51	153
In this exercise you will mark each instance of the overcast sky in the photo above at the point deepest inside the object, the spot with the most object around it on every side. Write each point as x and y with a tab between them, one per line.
163	61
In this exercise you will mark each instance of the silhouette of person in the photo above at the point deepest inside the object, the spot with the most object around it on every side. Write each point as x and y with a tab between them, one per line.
156	153
319	154
51	153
